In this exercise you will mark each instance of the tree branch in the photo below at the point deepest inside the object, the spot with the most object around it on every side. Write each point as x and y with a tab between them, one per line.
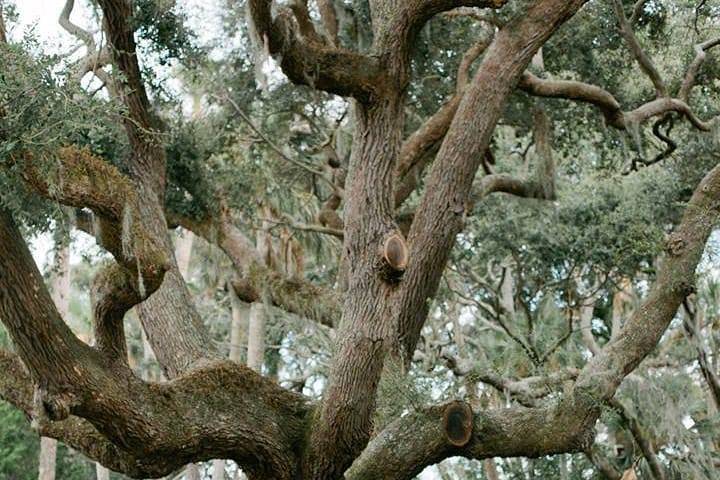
640	436
161	426
542	183
171	308
690	324
606	468
566	425
607	104
646	63
694	67
308	62
291	294
419	149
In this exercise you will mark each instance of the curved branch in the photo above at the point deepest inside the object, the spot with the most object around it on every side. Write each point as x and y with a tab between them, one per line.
608	105
307	61
426	9
646	63
692	71
73	29
218	409
573	90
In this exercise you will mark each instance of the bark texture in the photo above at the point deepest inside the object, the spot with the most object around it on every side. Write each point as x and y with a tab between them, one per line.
209	408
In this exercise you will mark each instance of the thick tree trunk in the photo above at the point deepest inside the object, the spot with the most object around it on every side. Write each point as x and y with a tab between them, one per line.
367	329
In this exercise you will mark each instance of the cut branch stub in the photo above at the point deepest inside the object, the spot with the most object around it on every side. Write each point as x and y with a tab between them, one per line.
394	257
457	423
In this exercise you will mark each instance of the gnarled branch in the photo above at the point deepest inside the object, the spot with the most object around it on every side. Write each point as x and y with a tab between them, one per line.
307	61
643	59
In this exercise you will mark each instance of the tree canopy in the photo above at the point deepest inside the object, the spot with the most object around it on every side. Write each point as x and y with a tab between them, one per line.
363	239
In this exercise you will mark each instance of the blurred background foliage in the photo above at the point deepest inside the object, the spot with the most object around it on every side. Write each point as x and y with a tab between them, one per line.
228	145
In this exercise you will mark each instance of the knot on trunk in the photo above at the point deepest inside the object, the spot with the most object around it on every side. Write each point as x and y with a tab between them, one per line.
393	258
675	245
54	407
458	423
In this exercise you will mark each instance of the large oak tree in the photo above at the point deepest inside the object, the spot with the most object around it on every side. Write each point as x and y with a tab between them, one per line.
393	259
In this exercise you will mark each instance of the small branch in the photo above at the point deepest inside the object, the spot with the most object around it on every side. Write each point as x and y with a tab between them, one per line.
294	295
646	64
475	14
541	185
329	19
691	328
692	71
664	137
604	466
73	29
273	146
640	436
637	11
306	227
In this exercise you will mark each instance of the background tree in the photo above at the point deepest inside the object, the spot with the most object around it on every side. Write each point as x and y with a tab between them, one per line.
448	229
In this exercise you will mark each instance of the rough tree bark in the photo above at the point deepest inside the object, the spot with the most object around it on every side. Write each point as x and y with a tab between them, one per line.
211	408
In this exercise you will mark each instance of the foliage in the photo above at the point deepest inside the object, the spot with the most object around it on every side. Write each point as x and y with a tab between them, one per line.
242	148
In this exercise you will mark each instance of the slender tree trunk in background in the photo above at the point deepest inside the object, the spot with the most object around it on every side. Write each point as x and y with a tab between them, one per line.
192	472
238	330
507	293
148	357
183	251
256	336
101	473
218	470
48	457
563	466
256	327
61	297
238	338
490	469
621	300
